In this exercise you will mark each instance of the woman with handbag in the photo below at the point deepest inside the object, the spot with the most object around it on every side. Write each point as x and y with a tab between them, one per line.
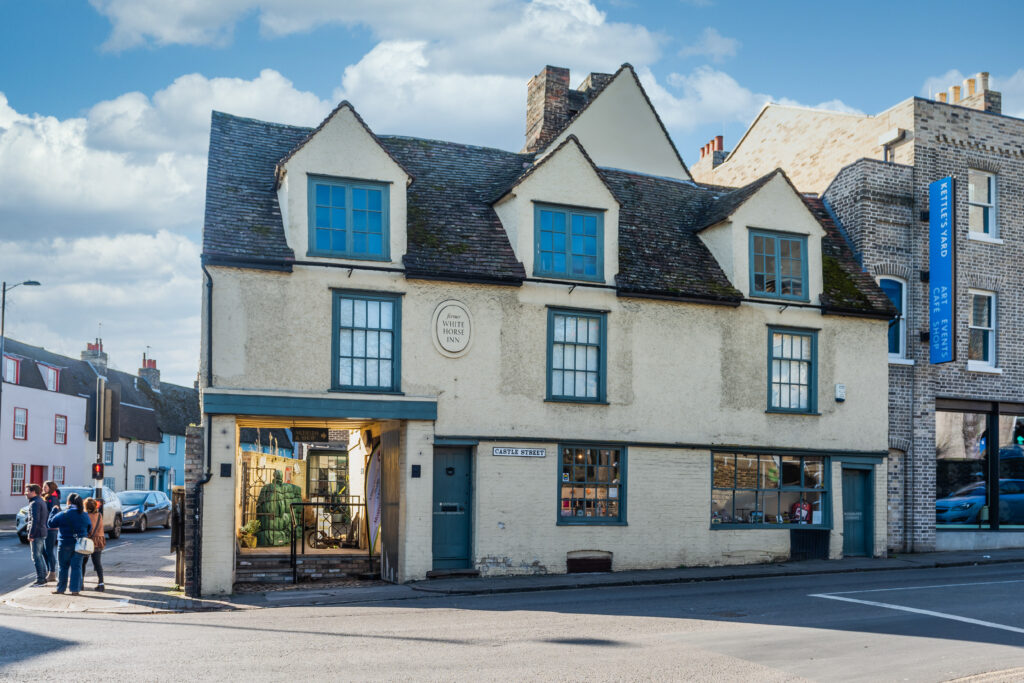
99	540
71	524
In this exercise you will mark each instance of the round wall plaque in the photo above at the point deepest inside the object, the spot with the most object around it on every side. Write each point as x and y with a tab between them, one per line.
453	328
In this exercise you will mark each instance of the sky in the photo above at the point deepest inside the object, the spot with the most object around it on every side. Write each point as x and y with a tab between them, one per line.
105	108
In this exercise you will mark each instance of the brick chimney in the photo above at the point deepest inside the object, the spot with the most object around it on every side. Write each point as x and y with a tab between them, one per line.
712	153
974	94
149	372
95	354
550	103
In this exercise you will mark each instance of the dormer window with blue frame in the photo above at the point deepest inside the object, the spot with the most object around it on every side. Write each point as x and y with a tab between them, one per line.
348	219
569	243
778	265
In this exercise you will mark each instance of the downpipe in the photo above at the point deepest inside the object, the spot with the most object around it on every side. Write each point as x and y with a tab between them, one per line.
197	534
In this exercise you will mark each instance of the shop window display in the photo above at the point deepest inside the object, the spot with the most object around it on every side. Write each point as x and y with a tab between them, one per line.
591	485
768	490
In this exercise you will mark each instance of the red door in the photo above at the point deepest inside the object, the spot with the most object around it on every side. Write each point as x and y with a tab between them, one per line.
37	474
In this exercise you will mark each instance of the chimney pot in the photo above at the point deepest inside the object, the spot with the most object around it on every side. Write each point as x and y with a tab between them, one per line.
969	85
955	90
983	81
719	143
940	96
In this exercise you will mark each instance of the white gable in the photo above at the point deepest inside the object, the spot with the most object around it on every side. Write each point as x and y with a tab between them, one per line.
342	147
620	129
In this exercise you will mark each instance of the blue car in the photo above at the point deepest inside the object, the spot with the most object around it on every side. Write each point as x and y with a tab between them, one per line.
964	505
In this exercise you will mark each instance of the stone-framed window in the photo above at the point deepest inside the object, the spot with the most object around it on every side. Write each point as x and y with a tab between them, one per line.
981	203
981	345
896	289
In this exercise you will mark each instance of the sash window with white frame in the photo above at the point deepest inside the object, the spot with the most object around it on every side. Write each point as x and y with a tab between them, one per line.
981	346
21	423
981	203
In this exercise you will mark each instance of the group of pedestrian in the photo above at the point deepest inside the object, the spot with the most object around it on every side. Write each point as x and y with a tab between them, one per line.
50	527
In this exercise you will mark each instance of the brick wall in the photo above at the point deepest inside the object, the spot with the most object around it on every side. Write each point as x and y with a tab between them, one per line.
194	465
880	206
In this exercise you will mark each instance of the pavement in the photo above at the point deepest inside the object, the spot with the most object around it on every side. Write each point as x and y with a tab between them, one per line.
146	585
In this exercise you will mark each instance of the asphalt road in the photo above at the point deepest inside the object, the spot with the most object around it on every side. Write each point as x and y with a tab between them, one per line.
916	625
16	568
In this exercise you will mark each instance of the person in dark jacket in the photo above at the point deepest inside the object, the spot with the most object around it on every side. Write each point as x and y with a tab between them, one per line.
71	524
51	496
37	529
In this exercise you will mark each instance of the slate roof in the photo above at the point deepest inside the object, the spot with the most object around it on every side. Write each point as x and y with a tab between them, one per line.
144	413
455	234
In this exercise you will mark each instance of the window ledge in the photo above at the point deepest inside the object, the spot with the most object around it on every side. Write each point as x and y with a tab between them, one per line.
770	411
900	361
347	257
551	399
982	237
585	523
727	526
356	390
976	366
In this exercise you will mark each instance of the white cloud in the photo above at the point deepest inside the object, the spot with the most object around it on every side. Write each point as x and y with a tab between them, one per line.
145	289
132	162
712	45
710	97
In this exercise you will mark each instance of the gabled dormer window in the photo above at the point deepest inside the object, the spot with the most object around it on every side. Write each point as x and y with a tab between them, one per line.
568	243
51	376
11	368
778	265
348	218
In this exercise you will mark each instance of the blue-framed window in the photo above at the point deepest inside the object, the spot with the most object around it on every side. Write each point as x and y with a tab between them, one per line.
577	355
367	341
792	370
348	218
767	490
140	482
109	482
778	265
569	243
108	454
140	452
592	484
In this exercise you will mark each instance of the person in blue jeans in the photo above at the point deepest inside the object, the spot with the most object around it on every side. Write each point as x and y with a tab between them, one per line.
51	495
71	524
37	529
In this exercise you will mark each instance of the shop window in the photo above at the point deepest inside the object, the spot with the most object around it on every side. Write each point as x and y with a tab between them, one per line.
577	343
967	466
21	423
17	479
348	219
896	290
792	371
108	454
592	485
769	490
981	346
981	202
60	429
367	342
568	243
778	265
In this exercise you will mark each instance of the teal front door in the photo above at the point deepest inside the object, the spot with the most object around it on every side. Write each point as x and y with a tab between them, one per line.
452	511
857	512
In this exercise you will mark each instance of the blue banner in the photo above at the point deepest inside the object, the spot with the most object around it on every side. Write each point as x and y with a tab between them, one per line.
942	270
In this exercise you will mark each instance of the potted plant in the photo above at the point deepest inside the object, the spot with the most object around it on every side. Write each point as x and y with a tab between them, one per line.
247	533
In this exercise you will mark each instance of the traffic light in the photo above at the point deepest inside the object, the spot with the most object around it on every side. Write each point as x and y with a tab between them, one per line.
97	471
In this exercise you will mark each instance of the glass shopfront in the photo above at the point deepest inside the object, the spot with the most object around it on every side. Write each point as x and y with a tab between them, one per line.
979	466
764	490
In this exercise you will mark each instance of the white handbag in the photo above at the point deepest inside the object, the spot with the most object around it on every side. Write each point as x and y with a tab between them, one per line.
84	546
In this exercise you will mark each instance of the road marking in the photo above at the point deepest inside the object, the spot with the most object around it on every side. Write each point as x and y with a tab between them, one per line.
926	612
919	588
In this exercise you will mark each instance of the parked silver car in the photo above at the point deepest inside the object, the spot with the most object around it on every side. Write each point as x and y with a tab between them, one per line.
113	516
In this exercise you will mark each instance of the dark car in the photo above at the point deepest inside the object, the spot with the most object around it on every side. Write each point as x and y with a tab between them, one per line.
143	509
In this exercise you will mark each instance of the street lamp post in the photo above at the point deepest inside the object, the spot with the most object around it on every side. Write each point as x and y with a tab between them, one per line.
3	319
